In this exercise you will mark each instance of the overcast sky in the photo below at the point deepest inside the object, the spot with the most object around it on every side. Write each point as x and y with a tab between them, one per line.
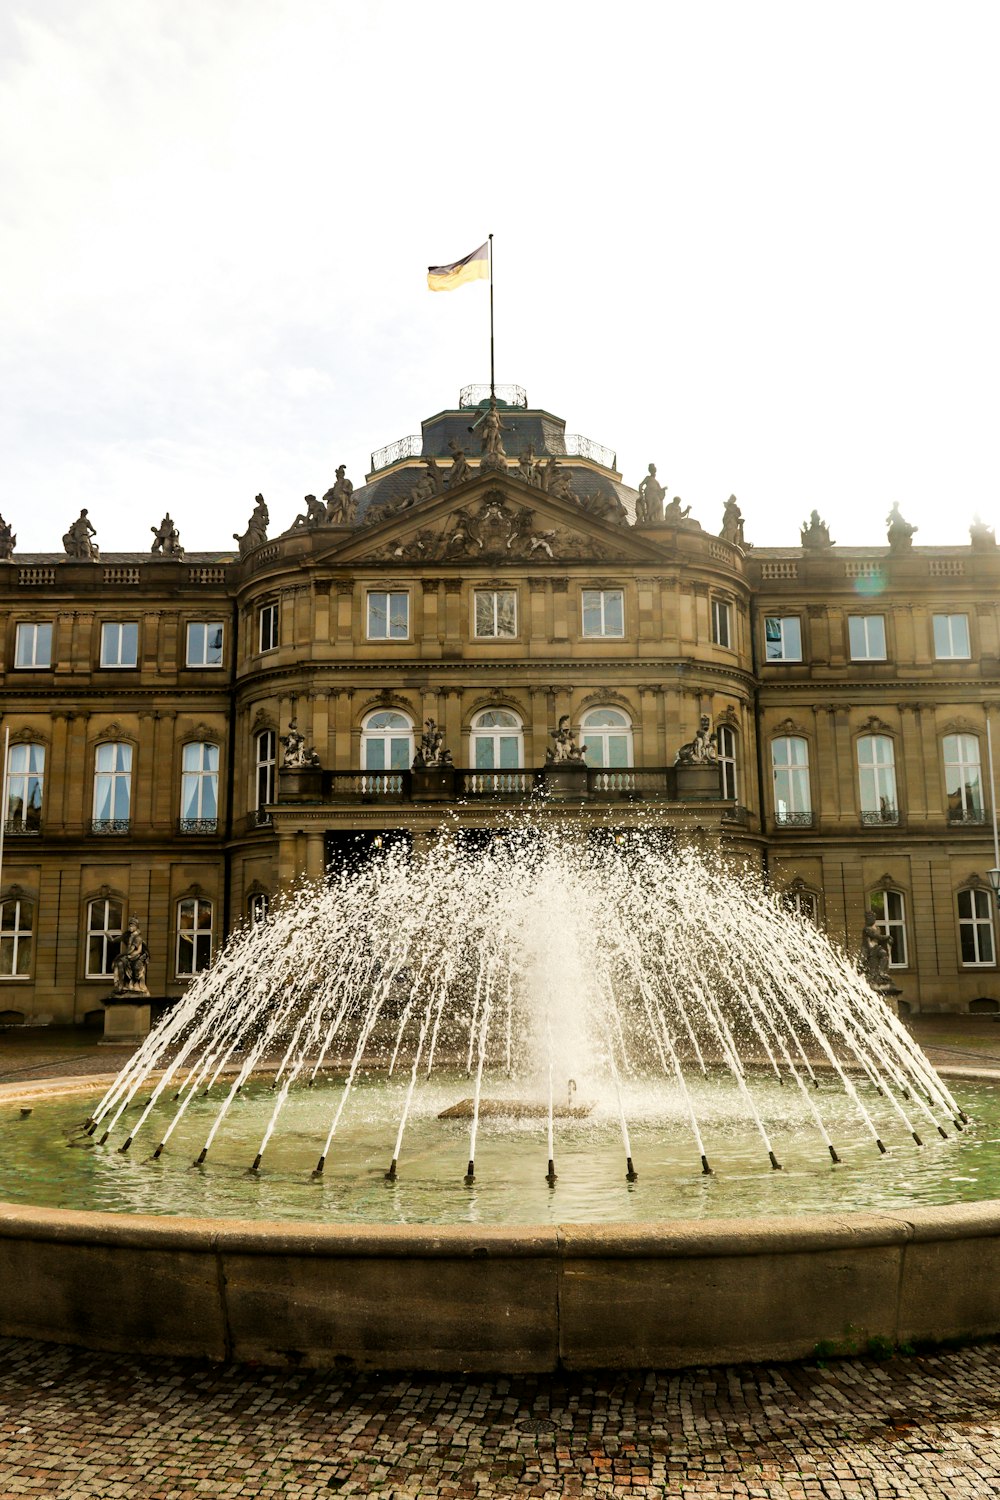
754	243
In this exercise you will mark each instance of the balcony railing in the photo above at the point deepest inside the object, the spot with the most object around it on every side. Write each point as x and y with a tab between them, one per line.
109	826
966	815
198	825
882	817
16	828
370	786
517	784
787	819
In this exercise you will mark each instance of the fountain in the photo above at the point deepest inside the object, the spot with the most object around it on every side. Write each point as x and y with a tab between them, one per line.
536	1000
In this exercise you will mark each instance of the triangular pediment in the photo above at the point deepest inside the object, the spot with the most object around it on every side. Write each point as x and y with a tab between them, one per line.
494	517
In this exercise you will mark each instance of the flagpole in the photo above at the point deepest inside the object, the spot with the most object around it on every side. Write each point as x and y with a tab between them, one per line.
493	389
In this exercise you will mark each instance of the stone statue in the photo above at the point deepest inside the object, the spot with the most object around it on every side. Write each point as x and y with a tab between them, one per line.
649	505
431	753
815	534
340	502
674	514
460	471
528	469
491	443
77	541
422	490
555	480
900	532
565	748
314	515
166	538
982	537
876	950
296	756
732	523
8	541
256	531
703	750
131	963
605	507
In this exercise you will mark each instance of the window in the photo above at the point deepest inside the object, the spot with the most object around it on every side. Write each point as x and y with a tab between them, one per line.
388	617
265	756
16	918
33	646
720	622
112	788
267	627
867	637
975	927
607	737
890	909
604	612
105	924
801	903
194	936
387	741
204	643
877	774
726	742
496	740
951	637
119	643
258	905
790	768
200	788
495	613
25	785
782	638
962	779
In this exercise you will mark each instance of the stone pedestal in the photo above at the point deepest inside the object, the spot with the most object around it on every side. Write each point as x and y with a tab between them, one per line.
300	784
126	1022
564	780
433	784
699	783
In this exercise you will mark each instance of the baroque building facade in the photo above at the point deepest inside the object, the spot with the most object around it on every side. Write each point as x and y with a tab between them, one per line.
495	585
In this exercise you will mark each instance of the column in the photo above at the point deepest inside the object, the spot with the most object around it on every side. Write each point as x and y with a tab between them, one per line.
345	614
76	775
649	751
537	631
343	758
430	633
320	739
144	771
315	863
453	616
166	787
560	610
321	612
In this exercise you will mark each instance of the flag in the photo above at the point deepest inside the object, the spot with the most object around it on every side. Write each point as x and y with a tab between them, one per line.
473	267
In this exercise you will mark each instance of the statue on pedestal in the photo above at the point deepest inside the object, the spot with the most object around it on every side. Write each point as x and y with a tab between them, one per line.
649	505
339	500
565	748
494	456
675	514
900	532
314	515
130	965
815	534
703	750
8	541
256	531
431	753
460	471
77	541
166	538
876	951
732	523
982	537
297	757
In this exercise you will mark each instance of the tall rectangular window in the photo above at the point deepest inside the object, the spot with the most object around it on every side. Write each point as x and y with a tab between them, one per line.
25	785
604	612
963	778
496	613
782	638
790	769
112	788
204	643
265	745
721	632
33	647
890	909
120	643
105	924
388	616
951	638
267	627
867	637
975	928
877	776
194	936
16	921
200	788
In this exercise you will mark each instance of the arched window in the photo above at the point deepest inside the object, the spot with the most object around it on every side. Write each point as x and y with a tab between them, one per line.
112	788
963	778
726	741
790	769
386	741
194	936
497	743
877	775
105	924
975	928
25	786
800	902
258	905
890	909
200	788
265	756
16	922
607	735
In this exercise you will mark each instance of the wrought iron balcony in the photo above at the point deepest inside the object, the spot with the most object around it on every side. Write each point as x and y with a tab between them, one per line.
786	819
883	817
259	818
17	828
110	826
198	825
966	815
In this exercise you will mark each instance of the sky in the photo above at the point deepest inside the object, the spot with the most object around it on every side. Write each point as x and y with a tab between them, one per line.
754	244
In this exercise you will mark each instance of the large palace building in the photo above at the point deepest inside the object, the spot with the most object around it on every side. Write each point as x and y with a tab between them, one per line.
496	587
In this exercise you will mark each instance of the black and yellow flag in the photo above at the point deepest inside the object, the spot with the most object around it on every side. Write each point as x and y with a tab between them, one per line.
473	267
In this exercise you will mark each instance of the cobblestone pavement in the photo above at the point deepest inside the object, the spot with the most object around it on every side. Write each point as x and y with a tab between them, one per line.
79	1424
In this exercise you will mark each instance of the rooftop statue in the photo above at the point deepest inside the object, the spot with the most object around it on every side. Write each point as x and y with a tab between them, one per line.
314	515
166	538
77	541
981	536
732	523
492	439
460	471
674	514
815	534
900	532
132	961
556	480
703	750
565	747
528	468
339	500
606	507
256	531
649	505
8	541
297	756
431	753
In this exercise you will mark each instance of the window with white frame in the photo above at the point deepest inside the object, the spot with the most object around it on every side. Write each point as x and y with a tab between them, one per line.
194	936
951	638
782	638
603	612
388	616
120	643
495	613
790	770
265	758
199	788
267	627
204	643
607	737
877	777
721	623
112	787
258	905
387	741
890	910
16	922
963	778
105	925
866	634
725	738
497	741
25	787
801	903
33	645
975	928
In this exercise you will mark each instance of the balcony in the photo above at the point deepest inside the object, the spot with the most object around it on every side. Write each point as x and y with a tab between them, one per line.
110	827
882	817
518	784
17	828
198	825
785	819
971	815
